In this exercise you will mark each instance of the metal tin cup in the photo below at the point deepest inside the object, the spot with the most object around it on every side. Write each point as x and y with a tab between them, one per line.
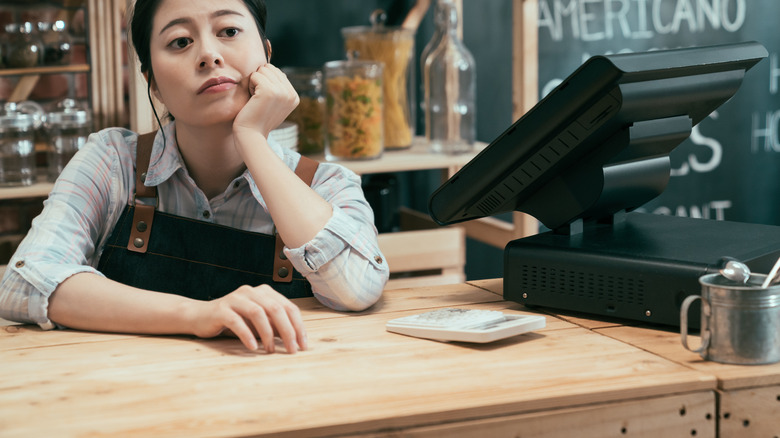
740	323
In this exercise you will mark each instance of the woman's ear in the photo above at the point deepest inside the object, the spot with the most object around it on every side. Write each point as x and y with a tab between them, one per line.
153	86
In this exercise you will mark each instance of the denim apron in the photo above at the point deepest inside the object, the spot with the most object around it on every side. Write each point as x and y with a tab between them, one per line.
157	251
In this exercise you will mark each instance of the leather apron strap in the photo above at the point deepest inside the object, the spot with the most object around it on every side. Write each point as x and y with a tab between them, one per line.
143	215
190	257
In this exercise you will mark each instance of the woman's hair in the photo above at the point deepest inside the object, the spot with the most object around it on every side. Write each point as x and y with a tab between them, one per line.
142	17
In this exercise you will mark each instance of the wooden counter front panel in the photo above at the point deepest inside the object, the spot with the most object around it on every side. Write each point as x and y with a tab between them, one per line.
674	416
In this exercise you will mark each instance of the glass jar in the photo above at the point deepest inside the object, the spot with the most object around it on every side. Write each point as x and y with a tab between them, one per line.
25	48
56	43
450	84
354	110
309	115
394	48
68	128
18	123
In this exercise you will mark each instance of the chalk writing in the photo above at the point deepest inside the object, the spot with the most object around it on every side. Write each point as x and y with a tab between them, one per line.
710	210
598	20
693	163
767	129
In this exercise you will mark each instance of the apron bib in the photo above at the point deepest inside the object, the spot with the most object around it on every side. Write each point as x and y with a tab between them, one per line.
162	252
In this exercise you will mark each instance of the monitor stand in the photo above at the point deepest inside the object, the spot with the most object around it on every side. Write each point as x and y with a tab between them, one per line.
635	266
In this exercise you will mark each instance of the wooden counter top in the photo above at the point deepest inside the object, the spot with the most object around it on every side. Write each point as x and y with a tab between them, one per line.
355	378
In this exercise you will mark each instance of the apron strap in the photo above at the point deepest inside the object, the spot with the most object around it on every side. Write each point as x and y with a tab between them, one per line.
283	267
143	214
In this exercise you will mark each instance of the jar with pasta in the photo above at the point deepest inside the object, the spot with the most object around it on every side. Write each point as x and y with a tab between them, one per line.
394	48
354	119
309	115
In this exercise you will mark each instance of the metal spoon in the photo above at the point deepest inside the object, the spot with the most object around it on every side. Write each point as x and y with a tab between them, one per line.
734	270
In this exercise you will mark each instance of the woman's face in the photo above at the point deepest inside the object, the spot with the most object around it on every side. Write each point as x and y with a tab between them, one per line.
202	53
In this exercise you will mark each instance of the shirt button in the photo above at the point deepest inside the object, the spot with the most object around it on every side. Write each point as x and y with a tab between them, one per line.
20	264
206	214
236	184
378	259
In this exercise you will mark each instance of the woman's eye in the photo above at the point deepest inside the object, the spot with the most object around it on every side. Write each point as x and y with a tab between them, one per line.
231	32
180	43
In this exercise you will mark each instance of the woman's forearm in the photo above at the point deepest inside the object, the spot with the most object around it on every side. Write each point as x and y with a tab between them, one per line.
299	212
88	301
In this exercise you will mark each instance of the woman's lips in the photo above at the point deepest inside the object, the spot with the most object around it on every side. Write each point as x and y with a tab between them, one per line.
216	85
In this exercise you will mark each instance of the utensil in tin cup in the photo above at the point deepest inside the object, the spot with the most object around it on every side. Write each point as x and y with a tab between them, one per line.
740	322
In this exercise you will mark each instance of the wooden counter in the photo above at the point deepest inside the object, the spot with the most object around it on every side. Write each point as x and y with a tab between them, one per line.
748	395
356	378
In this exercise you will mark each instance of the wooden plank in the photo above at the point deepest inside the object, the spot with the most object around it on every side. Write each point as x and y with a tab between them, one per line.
44	70
402	300
23	88
417	157
494	285
680	415
356	378
665	342
752	412
37	190
424	250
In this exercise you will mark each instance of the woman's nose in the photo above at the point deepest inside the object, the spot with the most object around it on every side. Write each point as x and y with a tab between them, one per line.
210	57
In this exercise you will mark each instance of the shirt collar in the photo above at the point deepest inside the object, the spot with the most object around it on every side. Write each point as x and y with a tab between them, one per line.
166	158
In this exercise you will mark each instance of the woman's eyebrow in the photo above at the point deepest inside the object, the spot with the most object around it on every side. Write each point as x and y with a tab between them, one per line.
185	20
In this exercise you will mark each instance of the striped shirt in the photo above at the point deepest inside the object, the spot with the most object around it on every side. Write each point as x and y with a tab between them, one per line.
342	262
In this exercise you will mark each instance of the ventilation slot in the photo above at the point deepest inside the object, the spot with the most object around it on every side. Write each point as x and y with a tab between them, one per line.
600	287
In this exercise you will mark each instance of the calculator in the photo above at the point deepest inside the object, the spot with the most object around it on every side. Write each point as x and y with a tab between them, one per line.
465	325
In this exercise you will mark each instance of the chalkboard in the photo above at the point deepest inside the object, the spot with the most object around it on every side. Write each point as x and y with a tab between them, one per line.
729	168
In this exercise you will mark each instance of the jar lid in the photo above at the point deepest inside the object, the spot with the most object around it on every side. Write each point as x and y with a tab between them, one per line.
20	115
377	29
373	68
71	116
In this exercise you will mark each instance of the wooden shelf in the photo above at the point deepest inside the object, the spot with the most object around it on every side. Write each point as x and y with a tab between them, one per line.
46	70
417	157
40	189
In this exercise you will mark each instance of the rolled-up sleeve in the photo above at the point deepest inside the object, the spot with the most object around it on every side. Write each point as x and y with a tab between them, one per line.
343	261
62	239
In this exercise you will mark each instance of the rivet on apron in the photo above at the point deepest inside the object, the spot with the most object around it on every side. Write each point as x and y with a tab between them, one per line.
282	255
138	242
283	272
141	226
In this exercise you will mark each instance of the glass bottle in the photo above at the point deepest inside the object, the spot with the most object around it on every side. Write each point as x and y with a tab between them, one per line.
25	48
68	127
18	122
450	87
56	43
309	115
439	29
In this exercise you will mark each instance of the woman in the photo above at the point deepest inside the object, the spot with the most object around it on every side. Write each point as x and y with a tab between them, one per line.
207	61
